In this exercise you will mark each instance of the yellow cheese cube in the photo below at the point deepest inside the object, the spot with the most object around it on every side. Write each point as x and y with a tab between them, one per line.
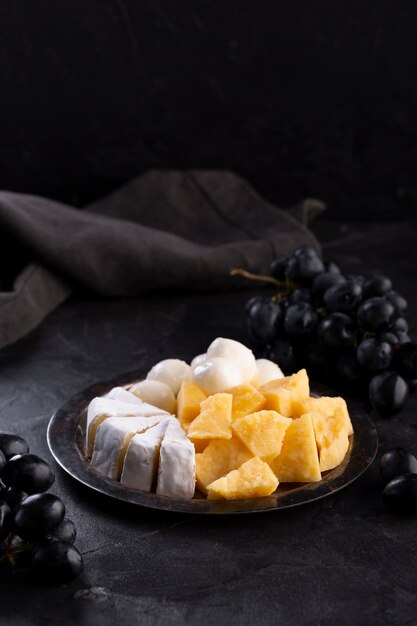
297	383
214	419
298	461
286	395
279	400
327	406
262	432
219	458
331	437
246	399
189	399
253	479
201	444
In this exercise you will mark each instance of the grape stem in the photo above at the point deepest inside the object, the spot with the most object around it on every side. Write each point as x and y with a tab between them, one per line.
259	277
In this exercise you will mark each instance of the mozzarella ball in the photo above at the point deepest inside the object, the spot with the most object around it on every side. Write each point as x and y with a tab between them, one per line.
171	372
216	375
266	370
197	360
156	393
236	353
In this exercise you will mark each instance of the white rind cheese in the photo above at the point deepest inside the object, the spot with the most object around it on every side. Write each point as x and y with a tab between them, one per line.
176	473
112	439
122	395
142	457
101	409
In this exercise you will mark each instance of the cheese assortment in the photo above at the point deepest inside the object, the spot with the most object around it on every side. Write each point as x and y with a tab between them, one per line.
230	425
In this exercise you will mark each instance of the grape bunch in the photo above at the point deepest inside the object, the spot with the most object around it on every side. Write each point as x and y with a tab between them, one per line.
345	328
32	521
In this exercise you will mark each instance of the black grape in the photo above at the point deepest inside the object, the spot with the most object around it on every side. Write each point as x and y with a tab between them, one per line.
37	515
337	330
11	444
300	320
377	286
400	494
343	297
58	560
374	355
279	267
396	462
375	314
388	393
29	473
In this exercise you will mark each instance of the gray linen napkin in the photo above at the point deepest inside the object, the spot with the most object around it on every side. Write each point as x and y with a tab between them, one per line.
166	229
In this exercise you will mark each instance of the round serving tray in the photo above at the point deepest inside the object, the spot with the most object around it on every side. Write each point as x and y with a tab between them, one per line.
66	441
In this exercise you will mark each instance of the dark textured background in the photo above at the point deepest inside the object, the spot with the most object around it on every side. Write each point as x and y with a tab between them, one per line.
301	98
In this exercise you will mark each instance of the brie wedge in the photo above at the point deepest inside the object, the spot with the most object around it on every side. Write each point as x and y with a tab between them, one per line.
100	409
123	395
176	473
142	456
112	439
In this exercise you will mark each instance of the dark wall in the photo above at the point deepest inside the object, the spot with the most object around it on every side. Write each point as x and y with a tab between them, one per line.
301	97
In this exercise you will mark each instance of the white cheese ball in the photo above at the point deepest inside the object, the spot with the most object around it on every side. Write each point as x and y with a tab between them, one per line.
156	393
236	353
266	370
171	372
197	360
217	375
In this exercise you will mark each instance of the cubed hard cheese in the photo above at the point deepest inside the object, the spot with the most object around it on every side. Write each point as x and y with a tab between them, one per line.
297	383
279	400
188	402
298	461
214	419
327	406
219	458
262	433
253	479
331	437
286	395
246	399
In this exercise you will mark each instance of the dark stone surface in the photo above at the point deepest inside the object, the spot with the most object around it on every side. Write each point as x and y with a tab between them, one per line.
344	560
302	99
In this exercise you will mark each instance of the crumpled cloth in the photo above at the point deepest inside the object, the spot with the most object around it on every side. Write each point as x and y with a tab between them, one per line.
165	229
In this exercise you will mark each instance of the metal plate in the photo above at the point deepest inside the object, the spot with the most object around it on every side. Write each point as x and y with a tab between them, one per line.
66	442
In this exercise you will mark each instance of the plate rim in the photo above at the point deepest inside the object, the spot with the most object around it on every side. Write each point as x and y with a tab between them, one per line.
64	421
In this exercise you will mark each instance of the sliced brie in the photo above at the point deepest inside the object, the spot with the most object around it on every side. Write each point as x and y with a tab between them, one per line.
100	409
142	456
123	395
112	439
176	473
